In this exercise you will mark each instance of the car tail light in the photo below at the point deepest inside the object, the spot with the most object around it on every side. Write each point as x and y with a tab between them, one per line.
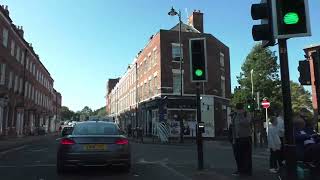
122	141
67	142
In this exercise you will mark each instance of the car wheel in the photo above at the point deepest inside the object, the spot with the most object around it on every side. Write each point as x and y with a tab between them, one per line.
60	167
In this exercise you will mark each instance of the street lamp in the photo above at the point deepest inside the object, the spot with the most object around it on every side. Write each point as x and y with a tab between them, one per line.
173	12
251	82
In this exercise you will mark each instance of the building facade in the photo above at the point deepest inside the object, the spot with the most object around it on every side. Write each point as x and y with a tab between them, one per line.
308	51
150	90
26	86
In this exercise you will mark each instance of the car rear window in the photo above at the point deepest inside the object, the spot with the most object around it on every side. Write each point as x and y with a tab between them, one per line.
96	129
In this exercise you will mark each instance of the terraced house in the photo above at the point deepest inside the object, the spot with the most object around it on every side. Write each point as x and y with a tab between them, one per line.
27	97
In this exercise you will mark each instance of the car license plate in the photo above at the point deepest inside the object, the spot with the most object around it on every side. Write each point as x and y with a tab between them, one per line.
90	147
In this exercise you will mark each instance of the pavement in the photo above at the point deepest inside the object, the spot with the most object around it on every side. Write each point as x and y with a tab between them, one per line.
37	160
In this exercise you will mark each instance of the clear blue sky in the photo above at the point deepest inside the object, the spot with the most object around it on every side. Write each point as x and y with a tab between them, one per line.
84	42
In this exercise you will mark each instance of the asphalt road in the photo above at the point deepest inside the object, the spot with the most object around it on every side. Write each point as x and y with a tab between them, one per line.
149	161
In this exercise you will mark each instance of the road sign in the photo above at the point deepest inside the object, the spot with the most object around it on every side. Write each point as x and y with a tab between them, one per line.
265	103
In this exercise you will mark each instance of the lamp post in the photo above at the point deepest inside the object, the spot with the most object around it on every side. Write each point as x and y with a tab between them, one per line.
251	72
173	12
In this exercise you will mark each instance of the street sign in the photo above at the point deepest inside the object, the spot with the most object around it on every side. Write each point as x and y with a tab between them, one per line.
265	103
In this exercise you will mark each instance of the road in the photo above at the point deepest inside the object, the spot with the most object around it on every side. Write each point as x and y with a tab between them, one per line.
36	161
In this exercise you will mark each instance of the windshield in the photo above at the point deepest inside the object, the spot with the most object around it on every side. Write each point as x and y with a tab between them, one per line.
95	129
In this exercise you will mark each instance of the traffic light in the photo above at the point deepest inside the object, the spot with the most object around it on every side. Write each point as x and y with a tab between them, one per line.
263	31
291	19
198	60
304	69
250	104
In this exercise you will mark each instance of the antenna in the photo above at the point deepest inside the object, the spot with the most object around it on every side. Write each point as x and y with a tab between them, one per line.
186	9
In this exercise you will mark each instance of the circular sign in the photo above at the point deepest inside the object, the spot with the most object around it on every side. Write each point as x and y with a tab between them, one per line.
265	103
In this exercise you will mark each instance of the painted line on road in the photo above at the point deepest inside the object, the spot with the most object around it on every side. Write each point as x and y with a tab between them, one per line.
174	171
14	149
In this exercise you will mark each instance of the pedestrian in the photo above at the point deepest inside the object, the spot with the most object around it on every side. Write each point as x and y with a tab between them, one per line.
274	144
280	126
232	139
243	142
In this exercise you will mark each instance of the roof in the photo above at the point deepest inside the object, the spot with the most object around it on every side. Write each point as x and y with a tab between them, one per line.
185	28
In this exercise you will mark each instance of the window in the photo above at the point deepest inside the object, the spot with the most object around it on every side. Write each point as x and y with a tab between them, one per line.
221	59
20	86
12	47
27	63
26	89
150	62
155	57
176	79
176	52
5	33
34	69
29	91
95	129
155	80
2	73
223	86
18	54
22	57
33	94
10	80
16	83
30	68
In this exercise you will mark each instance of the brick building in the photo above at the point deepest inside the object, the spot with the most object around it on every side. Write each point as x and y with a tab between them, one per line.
149	91
308	51
26	87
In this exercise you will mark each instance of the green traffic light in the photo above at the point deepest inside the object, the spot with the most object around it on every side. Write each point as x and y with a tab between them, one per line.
199	72
291	18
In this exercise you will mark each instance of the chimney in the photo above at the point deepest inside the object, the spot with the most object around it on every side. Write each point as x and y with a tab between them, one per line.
6	10
196	20
20	30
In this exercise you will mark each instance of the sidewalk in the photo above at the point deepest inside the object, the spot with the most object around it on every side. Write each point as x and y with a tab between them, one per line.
7	143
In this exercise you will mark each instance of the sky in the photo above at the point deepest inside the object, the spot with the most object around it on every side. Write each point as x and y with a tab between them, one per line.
82	43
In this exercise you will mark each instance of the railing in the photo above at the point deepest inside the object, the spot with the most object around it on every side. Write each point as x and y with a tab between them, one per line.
162	131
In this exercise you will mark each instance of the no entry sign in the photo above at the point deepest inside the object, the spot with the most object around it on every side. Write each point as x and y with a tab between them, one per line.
265	103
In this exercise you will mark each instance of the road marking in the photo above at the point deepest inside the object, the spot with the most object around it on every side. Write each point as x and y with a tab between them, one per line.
174	171
14	149
38	150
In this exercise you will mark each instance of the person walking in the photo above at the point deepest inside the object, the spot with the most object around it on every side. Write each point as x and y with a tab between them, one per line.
243	142
280	126
274	144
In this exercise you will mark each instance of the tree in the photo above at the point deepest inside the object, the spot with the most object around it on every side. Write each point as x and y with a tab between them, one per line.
300	97
86	112
101	112
263	63
66	113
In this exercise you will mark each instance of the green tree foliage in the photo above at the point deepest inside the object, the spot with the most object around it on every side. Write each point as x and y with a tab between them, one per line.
101	112
266	80
66	113
300	97
265	77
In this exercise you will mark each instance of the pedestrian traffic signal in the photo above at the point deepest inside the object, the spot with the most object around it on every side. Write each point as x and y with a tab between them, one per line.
304	69
263	31
198	60
291	19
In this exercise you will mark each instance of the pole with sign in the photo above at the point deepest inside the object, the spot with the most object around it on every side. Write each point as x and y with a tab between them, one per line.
266	104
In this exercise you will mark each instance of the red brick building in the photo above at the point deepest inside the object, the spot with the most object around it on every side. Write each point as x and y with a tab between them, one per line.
26	86
149	92
309	50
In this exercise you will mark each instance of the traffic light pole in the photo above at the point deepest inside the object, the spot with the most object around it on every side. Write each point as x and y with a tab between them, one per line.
290	147
199	133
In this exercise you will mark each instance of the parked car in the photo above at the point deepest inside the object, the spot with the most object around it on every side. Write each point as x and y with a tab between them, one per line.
93	143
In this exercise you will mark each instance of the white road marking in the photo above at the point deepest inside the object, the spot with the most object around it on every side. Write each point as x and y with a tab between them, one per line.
174	171
11	150
38	150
